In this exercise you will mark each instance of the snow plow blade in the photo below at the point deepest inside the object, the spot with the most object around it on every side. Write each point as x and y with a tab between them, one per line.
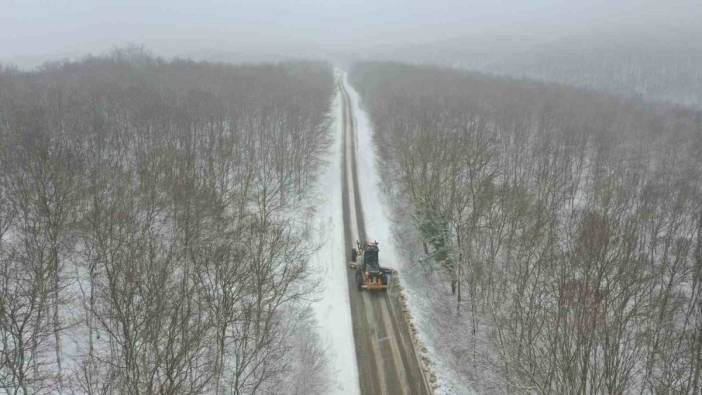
375	286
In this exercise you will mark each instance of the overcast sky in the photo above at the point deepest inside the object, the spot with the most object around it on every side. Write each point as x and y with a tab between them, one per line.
32	30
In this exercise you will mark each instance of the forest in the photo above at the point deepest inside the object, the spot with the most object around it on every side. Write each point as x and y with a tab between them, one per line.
566	223
156	227
149	238
661	66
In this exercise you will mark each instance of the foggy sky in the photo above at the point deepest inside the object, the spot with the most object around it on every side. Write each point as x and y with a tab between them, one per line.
32	31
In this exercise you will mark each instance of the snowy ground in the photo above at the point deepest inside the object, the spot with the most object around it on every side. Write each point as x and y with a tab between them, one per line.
332	309
446	359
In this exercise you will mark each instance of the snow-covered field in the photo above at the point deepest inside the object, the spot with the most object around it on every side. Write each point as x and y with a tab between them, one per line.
333	312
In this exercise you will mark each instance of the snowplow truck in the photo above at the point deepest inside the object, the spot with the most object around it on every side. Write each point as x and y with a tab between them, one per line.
369	274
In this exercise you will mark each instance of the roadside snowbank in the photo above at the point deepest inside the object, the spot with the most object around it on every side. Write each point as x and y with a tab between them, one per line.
332	309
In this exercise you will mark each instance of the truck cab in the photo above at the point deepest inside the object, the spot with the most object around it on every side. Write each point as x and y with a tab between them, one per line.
369	274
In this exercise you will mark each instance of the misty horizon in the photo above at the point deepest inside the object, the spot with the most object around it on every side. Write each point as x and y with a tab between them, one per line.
33	32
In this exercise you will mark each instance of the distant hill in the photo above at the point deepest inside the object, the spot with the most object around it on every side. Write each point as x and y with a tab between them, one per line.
663	67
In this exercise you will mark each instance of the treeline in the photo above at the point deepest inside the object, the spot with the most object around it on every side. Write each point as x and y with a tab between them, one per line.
660	66
569	221
664	67
147	243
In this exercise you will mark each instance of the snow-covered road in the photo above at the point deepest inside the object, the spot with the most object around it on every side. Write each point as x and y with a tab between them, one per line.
384	360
